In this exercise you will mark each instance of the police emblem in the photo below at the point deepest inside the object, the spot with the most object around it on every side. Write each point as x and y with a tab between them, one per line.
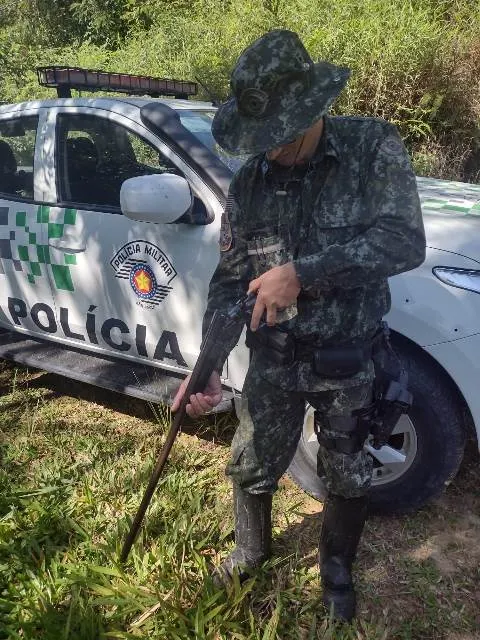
147	269
142	281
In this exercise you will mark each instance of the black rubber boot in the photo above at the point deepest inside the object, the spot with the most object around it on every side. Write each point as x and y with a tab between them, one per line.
342	527
253	536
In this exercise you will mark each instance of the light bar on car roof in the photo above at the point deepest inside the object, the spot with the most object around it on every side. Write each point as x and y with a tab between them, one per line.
64	79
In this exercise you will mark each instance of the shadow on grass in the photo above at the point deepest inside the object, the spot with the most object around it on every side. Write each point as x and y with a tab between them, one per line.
14	408
424	566
77	622
43	531
462	495
216	427
34	545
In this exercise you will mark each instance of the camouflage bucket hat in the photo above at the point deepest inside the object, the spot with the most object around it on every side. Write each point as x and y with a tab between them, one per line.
278	93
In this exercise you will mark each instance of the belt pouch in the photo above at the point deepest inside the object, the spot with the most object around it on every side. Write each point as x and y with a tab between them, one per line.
339	362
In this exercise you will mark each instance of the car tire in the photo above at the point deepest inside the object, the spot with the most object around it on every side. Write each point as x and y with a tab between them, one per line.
423	454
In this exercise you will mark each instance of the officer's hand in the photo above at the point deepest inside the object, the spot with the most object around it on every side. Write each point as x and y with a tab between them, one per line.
200	403
277	288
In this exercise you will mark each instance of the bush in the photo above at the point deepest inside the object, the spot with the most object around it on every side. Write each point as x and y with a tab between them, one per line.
415	63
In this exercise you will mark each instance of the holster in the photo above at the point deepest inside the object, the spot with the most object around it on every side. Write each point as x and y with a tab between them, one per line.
273	343
392	397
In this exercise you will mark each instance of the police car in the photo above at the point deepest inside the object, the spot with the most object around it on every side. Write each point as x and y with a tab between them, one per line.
110	218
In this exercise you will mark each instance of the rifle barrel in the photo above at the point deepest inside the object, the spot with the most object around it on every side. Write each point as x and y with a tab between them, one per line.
198	380
152	483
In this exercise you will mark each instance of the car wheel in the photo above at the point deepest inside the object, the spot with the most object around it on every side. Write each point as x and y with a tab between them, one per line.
422	455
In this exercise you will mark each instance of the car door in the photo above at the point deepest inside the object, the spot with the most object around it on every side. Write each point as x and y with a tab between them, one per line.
131	289
26	299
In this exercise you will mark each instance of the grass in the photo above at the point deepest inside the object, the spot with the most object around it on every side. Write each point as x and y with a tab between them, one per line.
74	461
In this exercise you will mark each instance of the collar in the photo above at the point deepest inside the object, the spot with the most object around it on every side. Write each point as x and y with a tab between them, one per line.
328	145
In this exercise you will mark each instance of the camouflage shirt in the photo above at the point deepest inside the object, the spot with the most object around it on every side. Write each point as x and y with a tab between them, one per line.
348	221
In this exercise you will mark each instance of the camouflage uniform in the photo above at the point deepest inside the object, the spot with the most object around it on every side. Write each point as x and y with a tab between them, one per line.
347	221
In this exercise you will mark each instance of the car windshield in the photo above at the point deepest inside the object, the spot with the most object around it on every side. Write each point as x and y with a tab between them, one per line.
200	124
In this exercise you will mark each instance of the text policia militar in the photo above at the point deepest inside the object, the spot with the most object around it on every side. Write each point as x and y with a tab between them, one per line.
44	318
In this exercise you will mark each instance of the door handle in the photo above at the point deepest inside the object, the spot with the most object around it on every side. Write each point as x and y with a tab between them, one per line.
67	235
68	244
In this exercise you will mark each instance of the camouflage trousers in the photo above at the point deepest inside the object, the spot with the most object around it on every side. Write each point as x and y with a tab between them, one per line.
271	422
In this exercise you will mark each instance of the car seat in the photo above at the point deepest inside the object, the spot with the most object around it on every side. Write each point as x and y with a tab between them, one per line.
81	164
82	179
8	169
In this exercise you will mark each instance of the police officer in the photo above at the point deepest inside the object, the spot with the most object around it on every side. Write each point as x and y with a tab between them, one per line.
316	221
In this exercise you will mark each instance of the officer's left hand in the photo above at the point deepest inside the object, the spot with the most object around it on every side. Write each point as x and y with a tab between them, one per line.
277	288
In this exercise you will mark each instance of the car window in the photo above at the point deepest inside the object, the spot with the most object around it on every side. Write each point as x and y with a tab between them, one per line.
200	124
17	150
96	155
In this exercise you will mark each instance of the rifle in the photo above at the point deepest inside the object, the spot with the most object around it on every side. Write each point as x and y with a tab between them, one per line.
222	325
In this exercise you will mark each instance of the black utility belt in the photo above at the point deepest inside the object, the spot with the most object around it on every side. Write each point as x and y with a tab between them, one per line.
280	347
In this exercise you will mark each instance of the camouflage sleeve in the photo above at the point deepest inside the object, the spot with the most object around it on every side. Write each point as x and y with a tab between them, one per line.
232	275
396	240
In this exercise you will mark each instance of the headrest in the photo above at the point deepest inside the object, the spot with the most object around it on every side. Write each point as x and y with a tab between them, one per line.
8	164
81	148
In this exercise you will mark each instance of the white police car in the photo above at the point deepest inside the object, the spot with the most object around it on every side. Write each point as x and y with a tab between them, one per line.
116	298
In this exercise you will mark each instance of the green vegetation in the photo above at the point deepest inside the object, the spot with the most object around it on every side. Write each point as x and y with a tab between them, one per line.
72	472
415	62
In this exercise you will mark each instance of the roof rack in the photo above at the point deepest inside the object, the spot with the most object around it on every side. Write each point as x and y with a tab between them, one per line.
64	79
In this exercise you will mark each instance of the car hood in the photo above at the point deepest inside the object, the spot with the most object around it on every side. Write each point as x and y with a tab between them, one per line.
451	214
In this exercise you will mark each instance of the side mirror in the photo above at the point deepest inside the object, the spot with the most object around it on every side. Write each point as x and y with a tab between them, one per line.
156	198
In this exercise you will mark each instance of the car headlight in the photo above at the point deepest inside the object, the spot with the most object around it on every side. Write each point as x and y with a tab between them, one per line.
468	279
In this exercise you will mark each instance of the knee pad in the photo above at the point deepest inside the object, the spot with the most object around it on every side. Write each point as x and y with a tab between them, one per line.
344	434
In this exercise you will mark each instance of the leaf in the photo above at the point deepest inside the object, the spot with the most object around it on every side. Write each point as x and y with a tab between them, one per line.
211	614
146	614
271	628
108	571
119	634
101	590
